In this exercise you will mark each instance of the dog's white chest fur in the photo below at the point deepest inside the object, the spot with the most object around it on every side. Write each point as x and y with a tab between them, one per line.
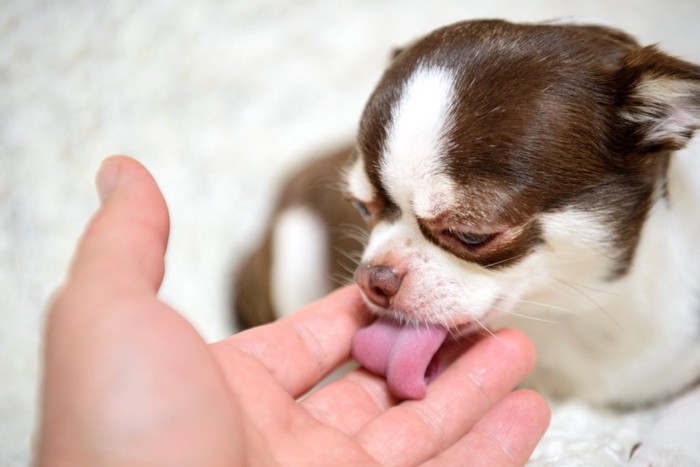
633	339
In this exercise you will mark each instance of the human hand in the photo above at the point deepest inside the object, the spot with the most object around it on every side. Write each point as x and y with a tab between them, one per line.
128	381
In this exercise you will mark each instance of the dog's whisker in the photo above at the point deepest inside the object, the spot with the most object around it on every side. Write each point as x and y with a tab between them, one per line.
449	323
485	328
354	233
546	305
345	276
510	258
348	269
496	263
587	287
341	280
352	256
589	299
361	229
532	318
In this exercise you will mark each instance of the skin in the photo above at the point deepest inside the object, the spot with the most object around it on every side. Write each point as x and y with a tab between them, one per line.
128	381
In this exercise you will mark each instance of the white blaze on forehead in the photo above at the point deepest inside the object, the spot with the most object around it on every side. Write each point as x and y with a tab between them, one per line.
412	169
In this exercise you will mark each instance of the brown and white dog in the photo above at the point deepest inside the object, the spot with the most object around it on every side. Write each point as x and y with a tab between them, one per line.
543	176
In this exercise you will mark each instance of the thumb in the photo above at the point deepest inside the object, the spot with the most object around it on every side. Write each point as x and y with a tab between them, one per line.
128	235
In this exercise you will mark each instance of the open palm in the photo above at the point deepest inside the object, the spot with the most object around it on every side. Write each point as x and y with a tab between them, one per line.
128	381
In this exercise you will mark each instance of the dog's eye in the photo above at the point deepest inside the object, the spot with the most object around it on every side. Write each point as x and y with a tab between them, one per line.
362	209
471	240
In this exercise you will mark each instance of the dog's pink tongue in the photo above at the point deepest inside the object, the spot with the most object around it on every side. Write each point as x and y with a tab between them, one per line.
405	355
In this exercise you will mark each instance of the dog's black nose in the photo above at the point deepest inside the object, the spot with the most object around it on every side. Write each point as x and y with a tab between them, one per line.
379	283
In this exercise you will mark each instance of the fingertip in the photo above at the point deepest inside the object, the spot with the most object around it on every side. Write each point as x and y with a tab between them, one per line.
348	298
121	173
529	416
316	339
522	344
106	178
535	406
107	175
128	235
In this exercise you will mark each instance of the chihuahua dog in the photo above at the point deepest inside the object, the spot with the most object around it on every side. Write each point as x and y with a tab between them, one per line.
541	176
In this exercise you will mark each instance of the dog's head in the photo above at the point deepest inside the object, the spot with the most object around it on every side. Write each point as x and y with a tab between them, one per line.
494	158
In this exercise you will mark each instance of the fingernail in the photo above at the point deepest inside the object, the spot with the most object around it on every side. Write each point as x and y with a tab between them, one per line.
106	179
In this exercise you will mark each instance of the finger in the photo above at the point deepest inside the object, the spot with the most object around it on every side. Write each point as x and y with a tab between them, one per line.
350	402
360	396
119	257
127	237
117	361
117	266
418	430
505	436
303	348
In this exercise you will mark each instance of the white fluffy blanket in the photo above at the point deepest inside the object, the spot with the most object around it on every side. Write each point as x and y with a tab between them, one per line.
219	99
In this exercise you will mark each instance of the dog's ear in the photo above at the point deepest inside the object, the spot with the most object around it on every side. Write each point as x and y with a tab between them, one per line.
662	100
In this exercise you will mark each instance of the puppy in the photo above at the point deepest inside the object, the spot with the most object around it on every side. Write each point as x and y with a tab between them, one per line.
543	176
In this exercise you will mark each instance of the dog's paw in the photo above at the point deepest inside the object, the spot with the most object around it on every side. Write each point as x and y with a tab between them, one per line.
650	455
674	440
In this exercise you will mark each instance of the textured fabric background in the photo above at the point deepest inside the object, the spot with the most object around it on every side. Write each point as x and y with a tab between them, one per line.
219	99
